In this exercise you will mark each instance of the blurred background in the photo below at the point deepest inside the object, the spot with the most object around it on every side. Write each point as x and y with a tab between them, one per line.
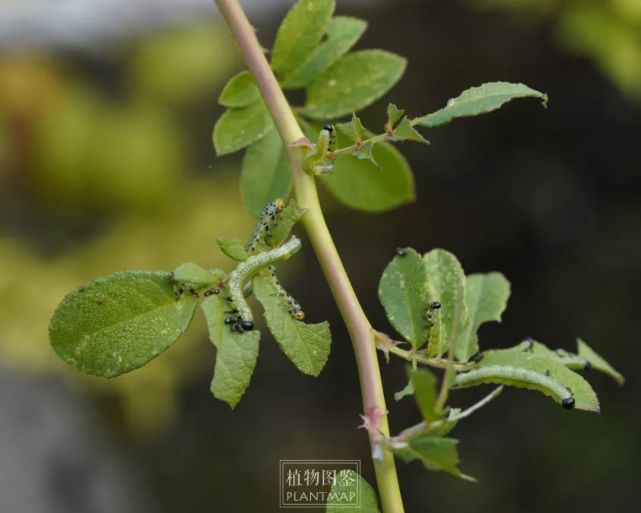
106	163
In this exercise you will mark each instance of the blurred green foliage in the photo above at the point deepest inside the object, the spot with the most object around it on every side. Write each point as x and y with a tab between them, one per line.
606	31
108	170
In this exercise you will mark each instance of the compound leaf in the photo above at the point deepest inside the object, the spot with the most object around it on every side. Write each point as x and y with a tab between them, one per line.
119	322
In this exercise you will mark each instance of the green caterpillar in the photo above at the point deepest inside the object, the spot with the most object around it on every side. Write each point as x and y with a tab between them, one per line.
241	318
505	374
264	225
434	331
320	161
293	306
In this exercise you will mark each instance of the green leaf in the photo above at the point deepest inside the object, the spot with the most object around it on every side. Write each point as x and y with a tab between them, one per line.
523	369
570	360
193	274
354	130
266	174
361	185
597	362
405	391
306	345
119	322
352	83
406	132
299	33
286	221
424	385
351	494
486	299
402	291
434	452
238	128
446	284
233	248
342	34
366	152
240	91
394	114
480	100
236	353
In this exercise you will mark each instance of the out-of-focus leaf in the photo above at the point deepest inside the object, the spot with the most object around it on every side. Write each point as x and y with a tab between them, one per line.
361	185
181	64
233	248
436	453
402	291
597	362
306	345
351	494
236	353
240	127
480	100
240	91
446	284
405	391
486	298
266	174
119	322
300	33
196	275
424	385
342	34
352	83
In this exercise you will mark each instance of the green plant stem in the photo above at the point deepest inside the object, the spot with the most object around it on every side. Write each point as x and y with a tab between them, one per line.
389	345
357	323
372	140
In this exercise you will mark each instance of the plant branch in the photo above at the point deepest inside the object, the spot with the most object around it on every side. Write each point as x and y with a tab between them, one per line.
412	432
357	323
389	345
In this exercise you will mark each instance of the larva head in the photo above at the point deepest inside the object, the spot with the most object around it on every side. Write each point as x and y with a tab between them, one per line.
476	357
246	325
299	315
568	403
435	305
279	204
